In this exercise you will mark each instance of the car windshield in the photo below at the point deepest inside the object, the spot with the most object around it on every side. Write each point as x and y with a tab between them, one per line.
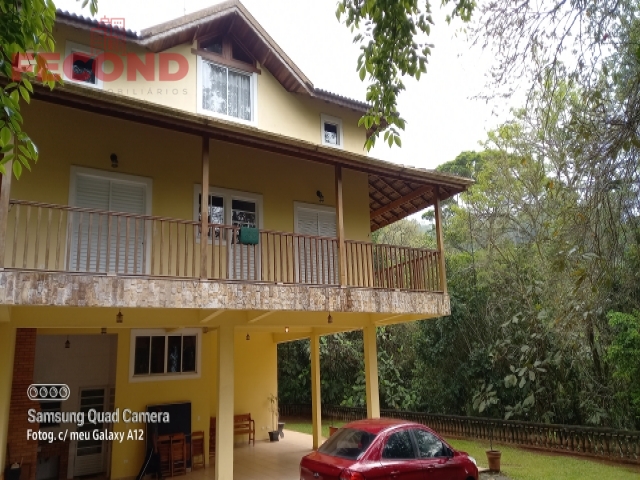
347	443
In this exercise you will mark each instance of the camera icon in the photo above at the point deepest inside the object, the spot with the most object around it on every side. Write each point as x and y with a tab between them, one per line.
39	392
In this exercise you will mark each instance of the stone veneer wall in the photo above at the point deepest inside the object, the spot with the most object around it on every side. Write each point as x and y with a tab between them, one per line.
56	289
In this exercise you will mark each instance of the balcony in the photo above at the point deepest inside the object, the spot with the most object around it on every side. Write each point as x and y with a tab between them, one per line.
99	251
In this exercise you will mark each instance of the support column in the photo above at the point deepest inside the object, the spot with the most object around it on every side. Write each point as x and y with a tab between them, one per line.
371	371
224	415
204	208
440	240
7	345
342	253
5	193
316	397
23	366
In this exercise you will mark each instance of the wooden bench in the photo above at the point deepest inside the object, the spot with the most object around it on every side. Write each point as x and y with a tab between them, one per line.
242	425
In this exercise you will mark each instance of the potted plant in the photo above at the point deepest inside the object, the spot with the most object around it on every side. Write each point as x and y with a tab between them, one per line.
274	434
493	456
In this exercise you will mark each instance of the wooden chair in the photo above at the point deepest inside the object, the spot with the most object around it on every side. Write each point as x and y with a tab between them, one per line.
178	454
243	424
212	438
197	450
164	452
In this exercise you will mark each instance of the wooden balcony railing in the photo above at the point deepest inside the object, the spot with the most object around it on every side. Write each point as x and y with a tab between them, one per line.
388	266
50	237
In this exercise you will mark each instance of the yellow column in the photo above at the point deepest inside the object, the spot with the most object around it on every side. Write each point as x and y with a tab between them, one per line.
224	414
316	398
7	346
371	371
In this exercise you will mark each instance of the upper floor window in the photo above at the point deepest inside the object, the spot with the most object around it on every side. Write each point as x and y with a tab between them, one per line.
227	80
225	91
331	131
80	65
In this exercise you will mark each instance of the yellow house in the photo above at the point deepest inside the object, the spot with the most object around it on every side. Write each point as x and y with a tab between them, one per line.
117	280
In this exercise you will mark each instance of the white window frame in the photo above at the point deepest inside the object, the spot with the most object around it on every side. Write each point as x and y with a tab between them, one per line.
72	47
121	177
324	118
227	197
158	332
254	94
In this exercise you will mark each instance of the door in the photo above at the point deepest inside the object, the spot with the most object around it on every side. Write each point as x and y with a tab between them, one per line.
244	259
398	459
317	257
90	453
94	234
433	455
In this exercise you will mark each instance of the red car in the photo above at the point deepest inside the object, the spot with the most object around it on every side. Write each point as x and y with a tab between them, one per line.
387	449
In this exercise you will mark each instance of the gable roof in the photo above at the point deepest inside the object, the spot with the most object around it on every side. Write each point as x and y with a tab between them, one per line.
230	17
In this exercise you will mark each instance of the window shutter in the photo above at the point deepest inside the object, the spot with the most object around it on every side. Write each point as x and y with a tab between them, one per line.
108	195
320	268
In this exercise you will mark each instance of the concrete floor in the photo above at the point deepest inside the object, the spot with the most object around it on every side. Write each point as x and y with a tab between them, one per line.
264	461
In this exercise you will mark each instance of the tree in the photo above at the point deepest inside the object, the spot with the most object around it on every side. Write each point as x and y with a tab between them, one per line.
26	26
388	32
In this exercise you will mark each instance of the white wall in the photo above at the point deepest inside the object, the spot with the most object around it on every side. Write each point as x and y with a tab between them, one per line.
89	362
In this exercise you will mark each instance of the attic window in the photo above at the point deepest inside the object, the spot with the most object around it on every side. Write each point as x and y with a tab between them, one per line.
213	47
83	65
227	49
240	54
331	131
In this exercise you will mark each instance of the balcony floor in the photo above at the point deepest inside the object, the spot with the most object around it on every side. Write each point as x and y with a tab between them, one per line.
264	461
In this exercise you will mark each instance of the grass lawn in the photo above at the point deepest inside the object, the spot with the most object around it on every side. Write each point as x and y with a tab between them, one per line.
522	464
305	427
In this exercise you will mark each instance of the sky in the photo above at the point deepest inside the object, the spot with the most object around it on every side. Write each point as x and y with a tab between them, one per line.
442	117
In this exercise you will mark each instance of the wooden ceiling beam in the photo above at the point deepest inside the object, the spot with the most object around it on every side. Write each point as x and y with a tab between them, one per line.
402	200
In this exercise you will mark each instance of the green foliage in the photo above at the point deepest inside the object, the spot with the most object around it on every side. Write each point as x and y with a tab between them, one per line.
542	248
26	26
389	33
624	356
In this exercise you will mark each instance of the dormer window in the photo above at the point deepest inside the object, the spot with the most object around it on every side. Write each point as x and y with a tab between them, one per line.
331	131
227	78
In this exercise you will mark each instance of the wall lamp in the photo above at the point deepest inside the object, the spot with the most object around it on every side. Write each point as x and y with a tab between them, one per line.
320	196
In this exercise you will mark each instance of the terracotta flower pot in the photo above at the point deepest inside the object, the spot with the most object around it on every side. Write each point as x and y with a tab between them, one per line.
493	456
332	430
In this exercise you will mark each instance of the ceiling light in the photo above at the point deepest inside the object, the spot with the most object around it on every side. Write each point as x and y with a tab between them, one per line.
119	317
330	319
286	329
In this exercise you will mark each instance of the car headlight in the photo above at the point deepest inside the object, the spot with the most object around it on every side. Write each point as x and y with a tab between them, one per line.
473	460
